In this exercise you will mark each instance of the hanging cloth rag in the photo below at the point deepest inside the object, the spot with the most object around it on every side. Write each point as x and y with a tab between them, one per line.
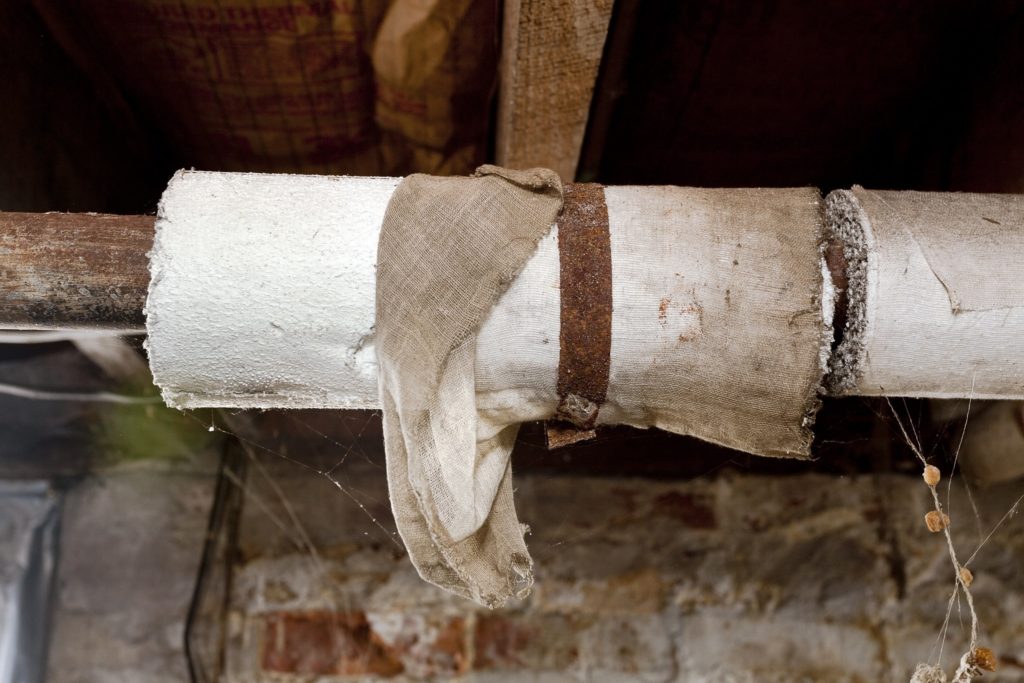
450	247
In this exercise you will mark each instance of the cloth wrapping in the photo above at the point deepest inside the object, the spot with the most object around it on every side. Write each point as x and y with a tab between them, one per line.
448	248
718	331
720	319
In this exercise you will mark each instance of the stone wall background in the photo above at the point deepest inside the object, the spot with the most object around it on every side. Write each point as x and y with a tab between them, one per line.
740	570
731	575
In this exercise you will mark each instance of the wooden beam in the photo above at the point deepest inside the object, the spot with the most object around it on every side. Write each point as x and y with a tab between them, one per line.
74	270
551	51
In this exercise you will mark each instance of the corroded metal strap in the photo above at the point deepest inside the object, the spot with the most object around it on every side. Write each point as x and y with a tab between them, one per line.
584	247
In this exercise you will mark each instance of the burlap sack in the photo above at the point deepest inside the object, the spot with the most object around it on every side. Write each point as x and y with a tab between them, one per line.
448	248
434	63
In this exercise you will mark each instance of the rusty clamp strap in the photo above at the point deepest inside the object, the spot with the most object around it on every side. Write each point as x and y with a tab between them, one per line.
585	339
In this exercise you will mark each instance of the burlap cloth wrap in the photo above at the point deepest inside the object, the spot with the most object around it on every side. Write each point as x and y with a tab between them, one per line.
448	248
717	331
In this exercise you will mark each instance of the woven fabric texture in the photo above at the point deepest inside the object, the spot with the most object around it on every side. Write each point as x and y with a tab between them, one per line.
448	249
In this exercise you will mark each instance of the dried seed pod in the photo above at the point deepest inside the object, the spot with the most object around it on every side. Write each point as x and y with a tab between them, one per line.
966	576
931	475
936	522
983	658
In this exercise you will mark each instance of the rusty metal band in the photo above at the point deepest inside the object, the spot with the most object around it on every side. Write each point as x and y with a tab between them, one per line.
585	340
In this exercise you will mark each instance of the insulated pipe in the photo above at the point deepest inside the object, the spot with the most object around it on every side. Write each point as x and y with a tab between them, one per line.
937	294
71	271
263	291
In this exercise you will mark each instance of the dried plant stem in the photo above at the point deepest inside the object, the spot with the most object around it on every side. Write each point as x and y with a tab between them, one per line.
957	567
968	668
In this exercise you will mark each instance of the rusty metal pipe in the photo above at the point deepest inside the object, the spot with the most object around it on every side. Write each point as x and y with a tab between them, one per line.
74	270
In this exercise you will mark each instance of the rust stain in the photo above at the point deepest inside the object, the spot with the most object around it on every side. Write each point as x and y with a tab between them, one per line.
699	330
663	309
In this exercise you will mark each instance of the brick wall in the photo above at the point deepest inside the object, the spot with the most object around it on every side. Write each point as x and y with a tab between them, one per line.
730	576
723	578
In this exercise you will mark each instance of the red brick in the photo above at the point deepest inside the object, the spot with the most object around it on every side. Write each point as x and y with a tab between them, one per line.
324	643
500	642
527	642
427	644
638	592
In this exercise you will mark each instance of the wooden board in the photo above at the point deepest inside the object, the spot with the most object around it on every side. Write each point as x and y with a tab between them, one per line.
551	52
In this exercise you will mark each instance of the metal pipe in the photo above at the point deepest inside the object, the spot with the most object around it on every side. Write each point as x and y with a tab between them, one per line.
74	270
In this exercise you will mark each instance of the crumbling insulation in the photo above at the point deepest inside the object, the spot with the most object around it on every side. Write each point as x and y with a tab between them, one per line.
846	223
935	294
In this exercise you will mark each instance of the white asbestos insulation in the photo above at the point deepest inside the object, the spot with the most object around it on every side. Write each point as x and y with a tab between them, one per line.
262	290
939	308
695	310
262	296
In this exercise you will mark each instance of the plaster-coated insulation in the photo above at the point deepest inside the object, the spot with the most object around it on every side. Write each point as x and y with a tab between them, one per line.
936	294
262	296
262	290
